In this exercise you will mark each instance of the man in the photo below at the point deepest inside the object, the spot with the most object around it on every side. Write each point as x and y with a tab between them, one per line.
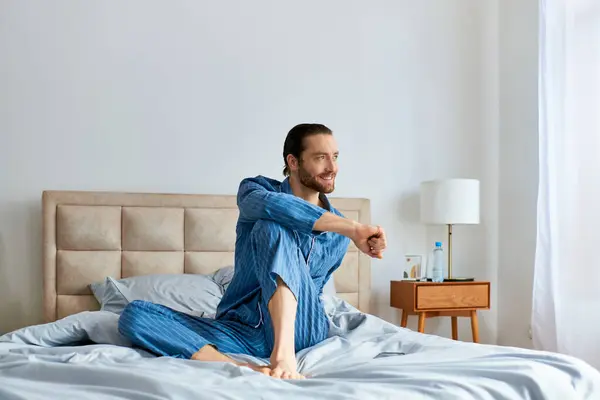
289	242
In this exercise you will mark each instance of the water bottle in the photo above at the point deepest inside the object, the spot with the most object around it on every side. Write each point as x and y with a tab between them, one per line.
437	272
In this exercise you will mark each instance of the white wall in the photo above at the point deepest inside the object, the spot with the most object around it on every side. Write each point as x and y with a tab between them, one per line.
191	97
518	168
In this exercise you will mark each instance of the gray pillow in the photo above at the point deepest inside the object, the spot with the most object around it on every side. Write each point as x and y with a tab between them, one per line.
223	276
96	326
190	293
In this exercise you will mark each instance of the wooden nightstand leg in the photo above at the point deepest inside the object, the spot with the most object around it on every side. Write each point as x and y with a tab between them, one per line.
422	322
455	328
475	326
404	320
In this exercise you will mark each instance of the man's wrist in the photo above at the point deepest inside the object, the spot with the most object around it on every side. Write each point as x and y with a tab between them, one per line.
352	229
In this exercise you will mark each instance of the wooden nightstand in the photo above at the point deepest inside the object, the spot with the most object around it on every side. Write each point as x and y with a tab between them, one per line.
445	299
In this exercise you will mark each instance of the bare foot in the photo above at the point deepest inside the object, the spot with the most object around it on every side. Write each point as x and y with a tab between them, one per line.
280	369
258	368
210	353
285	369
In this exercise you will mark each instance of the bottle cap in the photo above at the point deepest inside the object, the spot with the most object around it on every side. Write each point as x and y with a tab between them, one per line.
438	244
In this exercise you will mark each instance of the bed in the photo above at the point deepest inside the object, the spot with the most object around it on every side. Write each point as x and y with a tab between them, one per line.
77	352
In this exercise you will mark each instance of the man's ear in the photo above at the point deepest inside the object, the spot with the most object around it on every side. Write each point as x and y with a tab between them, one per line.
292	162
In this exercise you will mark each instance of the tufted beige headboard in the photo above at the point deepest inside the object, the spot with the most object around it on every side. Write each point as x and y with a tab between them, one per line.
90	235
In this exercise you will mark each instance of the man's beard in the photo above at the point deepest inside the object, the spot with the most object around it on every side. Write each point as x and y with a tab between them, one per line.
312	182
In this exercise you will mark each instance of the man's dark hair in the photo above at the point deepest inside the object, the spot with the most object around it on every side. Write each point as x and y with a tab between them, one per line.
294	142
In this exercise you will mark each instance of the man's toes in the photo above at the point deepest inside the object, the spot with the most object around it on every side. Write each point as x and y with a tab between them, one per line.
286	375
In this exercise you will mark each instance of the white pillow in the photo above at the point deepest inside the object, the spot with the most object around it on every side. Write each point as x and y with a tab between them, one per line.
329	287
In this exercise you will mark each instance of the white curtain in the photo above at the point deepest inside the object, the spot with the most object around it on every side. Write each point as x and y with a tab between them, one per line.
566	295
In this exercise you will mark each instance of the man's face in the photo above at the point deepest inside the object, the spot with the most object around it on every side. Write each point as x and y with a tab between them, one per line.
317	166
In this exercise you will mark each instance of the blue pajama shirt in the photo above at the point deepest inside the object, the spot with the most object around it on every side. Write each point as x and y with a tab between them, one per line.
274	238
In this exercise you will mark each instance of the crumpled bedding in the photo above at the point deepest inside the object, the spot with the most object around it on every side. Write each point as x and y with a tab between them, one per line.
84	357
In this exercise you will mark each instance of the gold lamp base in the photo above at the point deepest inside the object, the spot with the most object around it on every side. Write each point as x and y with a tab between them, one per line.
451	278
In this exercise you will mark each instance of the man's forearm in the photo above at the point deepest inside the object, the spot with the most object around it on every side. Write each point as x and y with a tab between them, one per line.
329	222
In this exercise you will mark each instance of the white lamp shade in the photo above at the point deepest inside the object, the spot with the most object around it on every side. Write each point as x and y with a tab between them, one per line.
450	201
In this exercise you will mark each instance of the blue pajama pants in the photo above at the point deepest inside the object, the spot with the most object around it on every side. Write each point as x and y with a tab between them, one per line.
276	252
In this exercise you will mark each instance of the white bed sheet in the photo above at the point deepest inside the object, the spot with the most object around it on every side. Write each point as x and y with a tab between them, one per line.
364	358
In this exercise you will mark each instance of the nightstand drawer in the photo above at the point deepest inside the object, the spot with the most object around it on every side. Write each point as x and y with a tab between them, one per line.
442	296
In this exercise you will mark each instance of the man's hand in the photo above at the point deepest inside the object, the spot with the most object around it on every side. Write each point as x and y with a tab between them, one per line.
370	240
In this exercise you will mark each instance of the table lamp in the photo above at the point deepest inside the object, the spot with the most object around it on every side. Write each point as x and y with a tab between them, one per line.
450	202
